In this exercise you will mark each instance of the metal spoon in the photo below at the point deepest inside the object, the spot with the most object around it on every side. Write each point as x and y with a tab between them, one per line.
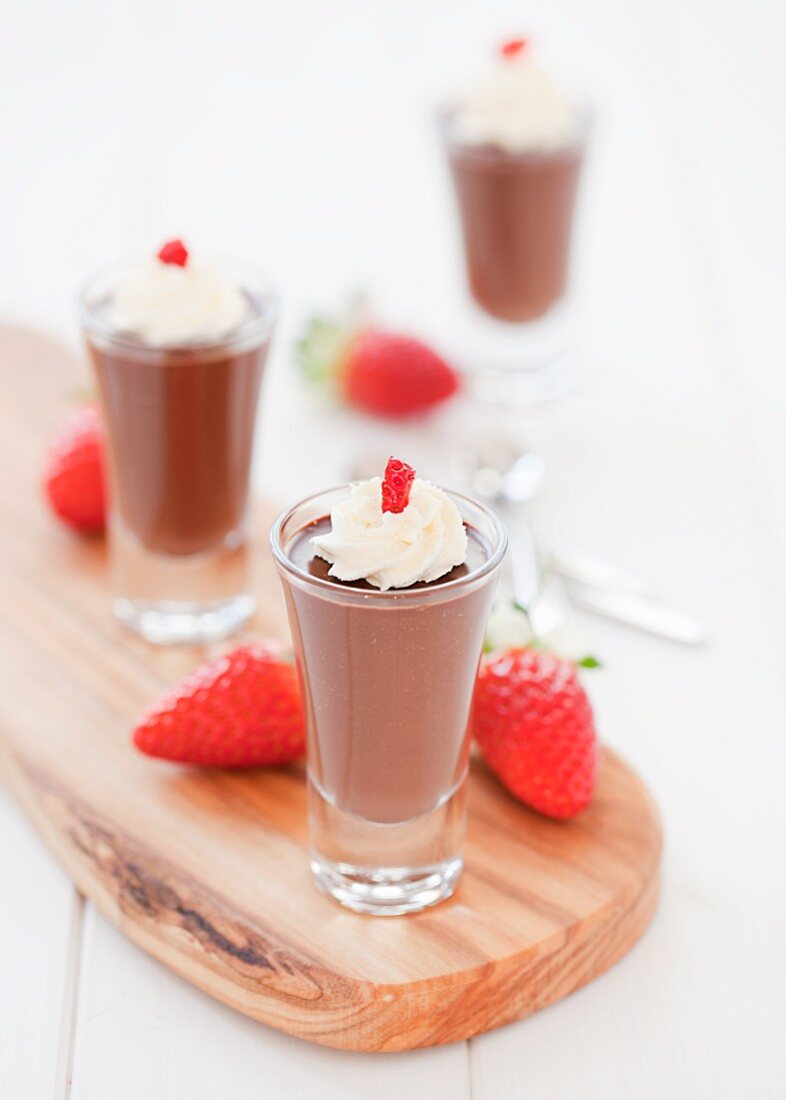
509	481
595	585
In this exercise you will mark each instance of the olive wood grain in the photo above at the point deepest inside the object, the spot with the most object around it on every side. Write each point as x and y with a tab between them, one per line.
208	871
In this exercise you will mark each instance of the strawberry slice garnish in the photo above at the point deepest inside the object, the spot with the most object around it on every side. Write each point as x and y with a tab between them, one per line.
173	252
513	47
396	485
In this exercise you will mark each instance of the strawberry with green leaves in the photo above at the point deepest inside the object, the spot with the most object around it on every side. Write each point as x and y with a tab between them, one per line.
533	724
532	720
387	374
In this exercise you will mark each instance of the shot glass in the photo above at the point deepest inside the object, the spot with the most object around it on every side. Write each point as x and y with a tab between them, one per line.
180	422
516	213
387	679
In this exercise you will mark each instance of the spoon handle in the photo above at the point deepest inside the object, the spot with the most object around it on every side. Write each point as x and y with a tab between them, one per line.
594	572
524	564
642	612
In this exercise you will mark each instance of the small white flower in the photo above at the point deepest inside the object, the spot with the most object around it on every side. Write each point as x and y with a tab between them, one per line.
508	626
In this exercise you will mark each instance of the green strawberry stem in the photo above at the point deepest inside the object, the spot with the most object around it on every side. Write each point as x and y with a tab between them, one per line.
321	349
588	661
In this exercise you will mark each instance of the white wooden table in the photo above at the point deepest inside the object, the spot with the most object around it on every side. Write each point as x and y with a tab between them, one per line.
299	135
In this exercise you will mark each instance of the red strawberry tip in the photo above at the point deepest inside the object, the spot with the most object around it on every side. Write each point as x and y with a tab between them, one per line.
513	47
173	252
396	485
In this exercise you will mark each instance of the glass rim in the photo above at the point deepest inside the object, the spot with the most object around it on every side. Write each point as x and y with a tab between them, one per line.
252	278
285	562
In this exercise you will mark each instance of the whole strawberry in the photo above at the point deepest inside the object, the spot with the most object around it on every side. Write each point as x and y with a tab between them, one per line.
384	373
533	723
240	711
74	476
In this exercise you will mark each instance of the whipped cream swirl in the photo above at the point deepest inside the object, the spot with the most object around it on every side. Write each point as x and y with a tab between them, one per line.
164	304
518	108
393	549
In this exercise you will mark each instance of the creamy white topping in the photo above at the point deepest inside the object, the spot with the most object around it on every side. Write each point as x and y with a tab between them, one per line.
519	108
393	549
168	304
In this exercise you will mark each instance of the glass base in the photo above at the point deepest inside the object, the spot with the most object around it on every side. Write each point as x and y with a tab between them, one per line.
389	892
528	384
516	364
171	622
187	599
387	868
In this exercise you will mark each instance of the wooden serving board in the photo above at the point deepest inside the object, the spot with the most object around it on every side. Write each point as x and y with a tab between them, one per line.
208	871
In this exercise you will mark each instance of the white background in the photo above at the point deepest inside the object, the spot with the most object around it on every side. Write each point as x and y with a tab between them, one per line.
299	135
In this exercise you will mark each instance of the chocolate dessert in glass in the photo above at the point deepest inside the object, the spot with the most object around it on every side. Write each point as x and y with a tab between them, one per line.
388	585
178	345
515	146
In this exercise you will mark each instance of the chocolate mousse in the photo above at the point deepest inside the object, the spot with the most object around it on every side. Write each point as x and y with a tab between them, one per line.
387	584
517	215
178	346
178	355
388	670
515	150
388	685
181	428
